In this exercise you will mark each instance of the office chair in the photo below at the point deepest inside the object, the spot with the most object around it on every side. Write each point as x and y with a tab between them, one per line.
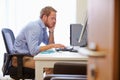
18	72
68	71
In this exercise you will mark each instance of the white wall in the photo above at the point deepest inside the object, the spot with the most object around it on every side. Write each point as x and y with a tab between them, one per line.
81	11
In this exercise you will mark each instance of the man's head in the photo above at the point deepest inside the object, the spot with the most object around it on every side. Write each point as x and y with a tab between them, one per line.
48	16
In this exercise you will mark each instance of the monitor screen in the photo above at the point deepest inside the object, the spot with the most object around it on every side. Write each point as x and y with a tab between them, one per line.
78	35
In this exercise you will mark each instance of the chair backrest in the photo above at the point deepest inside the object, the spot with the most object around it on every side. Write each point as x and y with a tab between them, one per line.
9	39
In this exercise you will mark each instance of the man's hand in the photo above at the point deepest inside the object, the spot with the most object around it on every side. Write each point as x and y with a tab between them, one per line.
51	29
49	46
58	46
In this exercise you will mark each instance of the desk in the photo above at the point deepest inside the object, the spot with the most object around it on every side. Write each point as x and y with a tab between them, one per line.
48	60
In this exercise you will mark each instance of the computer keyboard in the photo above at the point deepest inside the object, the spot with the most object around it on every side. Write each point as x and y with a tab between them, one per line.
66	49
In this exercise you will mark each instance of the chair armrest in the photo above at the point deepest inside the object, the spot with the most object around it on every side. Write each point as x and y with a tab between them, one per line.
7	61
20	63
70	68
22	55
49	76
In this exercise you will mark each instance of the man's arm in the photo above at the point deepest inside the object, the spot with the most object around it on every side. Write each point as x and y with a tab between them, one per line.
51	35
51	43
49	46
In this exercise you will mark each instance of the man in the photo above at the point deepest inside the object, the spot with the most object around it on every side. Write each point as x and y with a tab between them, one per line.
30	39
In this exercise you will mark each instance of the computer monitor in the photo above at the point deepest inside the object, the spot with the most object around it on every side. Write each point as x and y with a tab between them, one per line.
78	35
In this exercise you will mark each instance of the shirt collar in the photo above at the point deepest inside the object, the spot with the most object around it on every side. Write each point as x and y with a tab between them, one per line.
40	22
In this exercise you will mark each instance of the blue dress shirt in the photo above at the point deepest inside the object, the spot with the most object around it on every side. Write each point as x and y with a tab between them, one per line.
30	38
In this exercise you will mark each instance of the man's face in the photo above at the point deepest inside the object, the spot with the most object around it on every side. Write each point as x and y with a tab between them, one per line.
51	20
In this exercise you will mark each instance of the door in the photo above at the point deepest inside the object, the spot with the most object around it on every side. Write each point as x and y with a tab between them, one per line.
103	28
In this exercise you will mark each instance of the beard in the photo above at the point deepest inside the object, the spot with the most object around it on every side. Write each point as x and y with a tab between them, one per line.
49	25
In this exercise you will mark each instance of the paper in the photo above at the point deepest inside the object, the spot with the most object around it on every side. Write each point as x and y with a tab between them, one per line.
50	51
